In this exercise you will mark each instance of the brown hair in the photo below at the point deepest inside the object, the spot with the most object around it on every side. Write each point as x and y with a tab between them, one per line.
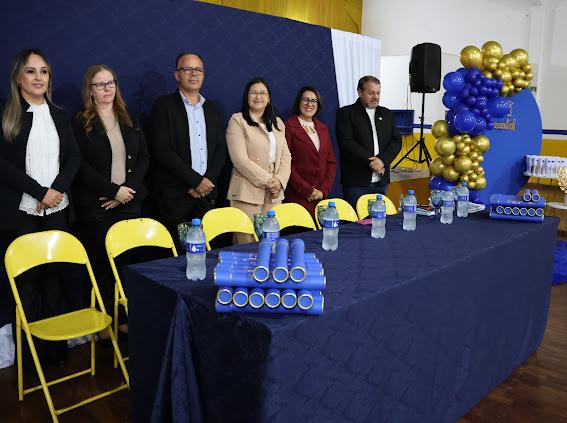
89	112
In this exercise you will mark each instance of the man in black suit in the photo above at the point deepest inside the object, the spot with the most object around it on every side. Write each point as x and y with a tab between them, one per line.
188	147
368	141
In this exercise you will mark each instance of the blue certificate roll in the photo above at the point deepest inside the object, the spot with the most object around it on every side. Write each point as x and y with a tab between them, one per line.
315	310
252	256
256	298
240	297
272	299
305	299
280	271
224	295
262	266
226	268
229	277
289	298
529	218
298	270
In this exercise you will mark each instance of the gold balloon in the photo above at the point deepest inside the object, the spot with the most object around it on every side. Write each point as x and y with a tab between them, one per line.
471	57
489	63
518	83
436	167
522	74
506	76
520	55
445	146
504	91
507	61
474	165
464	152
473	156
457	138
464	178
529	76
472	176
440	129
515	73
488	74
479	170
480	183
460	146
492	49
448	160
527	68
480	158
498	73
462	164
472	184
450	174
481	143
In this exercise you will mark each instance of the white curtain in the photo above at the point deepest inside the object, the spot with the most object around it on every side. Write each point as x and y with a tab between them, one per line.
6	346
355	56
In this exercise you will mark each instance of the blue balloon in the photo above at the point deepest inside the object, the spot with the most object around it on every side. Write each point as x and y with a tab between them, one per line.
474	196
450	115
450	100
488	117
481	101
477	83
470	76
479	126
482	90
468	86
498	107
460	108
491	92
438	183
499	83
490	125
462	71
454	82
465	121
463	94
473	91
475	111
470	101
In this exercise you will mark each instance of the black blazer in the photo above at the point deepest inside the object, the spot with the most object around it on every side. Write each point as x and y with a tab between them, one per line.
93	178
14	180
171	151
356	142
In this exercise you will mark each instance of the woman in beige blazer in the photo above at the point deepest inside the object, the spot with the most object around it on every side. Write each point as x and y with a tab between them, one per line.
260	156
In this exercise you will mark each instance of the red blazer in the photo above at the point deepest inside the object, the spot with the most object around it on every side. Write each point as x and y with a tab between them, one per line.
309	168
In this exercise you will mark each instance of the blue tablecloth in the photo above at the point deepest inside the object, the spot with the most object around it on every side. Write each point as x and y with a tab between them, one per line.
418	327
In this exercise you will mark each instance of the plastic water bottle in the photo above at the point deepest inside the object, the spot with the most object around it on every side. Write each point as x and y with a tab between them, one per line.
410	211
448	205
463	200
196	251
271	229
378	215
330	228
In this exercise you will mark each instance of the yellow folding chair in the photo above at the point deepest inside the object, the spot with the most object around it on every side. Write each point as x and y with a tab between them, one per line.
362	205
27	252
293	214
346	212
127	235
226	219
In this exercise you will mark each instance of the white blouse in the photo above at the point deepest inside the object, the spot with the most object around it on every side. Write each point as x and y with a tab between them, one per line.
42	158
272	138
309	127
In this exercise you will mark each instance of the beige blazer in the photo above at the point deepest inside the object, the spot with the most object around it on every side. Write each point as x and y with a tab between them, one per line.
249	149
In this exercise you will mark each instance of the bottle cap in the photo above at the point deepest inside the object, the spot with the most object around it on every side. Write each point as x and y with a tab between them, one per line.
449	188
410	191
332	204
271	213
378	197
464	184
196	222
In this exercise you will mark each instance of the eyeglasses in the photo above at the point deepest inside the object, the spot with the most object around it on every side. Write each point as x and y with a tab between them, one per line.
189	71
307	101
102	85
257	93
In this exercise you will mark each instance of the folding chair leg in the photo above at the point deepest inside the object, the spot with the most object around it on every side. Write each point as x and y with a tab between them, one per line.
42	378
118	354
115	320
19	357
93	358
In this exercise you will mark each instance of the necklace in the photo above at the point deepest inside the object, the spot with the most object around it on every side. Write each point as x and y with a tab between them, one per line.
309	127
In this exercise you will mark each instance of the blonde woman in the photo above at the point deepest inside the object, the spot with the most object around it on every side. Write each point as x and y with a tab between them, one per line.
38	161
260	156
109	186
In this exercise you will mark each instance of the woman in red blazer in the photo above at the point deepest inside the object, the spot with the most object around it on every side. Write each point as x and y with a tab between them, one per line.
313	164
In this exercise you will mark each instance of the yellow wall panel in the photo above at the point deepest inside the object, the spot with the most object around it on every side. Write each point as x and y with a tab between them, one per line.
345	15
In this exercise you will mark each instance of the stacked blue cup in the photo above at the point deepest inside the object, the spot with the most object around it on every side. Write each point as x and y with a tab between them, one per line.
288	281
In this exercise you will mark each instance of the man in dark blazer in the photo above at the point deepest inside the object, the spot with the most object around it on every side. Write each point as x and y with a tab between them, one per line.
368	142
188	147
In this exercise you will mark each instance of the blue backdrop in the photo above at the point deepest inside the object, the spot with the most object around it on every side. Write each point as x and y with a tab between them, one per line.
140	41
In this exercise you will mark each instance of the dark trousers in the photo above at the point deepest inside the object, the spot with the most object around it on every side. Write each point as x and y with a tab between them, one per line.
352	194
42	290
93	224
179	210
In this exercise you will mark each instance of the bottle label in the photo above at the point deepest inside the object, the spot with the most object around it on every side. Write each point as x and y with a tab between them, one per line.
271	235
378	215
463	198
196	248
448	203
409	209
330	223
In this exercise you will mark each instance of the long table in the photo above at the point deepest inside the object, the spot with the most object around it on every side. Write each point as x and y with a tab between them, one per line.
418	326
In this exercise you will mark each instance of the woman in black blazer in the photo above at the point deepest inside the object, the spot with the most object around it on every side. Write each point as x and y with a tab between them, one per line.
109	185
38	161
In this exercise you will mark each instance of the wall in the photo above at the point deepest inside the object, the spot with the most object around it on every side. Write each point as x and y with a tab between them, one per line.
345	15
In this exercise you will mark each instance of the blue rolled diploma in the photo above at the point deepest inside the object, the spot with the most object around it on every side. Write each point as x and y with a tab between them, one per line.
298	270
224	295
536	198
262	266
225	254
527	195
497	216
304	299
316	309
289	298
514	200
256	298
280	272
238	278
272	299
240	296
312	270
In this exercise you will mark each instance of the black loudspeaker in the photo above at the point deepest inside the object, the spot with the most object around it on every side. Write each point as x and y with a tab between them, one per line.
425	68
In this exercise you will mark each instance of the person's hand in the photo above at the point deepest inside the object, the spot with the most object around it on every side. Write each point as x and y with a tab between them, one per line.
110	204
39	206
52	198
316	195
193	193
124	195
274	186
205	187
376	165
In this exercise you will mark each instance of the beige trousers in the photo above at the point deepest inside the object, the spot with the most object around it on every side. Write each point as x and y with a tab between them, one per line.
251	210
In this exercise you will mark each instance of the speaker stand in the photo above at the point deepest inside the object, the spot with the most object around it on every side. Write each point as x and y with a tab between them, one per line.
424	155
